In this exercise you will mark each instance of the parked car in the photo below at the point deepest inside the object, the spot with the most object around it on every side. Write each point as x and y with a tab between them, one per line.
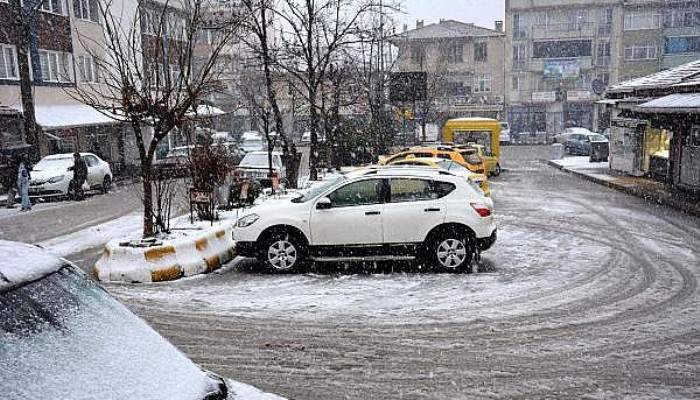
64	337
467	156
580	144
256	166
176	161
480	181
52	175
306	137
505	133
564	136
372	214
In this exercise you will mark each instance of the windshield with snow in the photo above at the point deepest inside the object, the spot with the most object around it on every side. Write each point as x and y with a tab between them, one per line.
66	330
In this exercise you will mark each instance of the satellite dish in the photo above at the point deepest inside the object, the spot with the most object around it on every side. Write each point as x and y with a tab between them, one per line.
598	86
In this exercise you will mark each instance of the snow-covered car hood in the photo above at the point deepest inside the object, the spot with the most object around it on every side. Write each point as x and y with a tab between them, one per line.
42	175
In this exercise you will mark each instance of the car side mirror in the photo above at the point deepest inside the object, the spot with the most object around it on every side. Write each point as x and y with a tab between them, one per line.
324	203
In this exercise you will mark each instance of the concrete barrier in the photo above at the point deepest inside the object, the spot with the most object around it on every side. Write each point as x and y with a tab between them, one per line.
198	253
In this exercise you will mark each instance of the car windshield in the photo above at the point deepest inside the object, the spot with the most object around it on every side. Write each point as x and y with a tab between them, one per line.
179	152
316	190
454	167
597	138
65	329
252	143
54	163
478	137
256	160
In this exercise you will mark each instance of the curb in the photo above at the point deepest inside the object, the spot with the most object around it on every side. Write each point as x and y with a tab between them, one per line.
645	195
200	254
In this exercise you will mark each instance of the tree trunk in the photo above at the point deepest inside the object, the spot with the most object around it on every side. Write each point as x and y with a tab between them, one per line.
313	151
31	133
147	177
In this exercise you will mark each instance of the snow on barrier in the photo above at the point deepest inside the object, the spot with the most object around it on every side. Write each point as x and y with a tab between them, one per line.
202	253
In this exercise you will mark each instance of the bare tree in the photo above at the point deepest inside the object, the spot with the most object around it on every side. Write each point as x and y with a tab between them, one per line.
256	35
156	68
312	33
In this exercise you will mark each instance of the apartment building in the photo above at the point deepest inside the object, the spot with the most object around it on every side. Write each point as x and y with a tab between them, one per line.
464	64
563	54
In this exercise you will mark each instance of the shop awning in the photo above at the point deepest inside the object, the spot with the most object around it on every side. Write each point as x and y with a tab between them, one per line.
682	103
69	116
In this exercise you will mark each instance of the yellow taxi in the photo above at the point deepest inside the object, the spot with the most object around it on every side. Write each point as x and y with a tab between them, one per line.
479	181
466	157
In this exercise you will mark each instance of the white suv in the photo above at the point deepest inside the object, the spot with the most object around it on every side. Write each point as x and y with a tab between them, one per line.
393	213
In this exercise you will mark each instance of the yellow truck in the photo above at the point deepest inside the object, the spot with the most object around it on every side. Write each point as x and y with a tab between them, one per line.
484	133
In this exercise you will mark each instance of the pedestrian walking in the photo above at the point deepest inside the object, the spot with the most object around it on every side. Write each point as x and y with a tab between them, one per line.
79	176
23	178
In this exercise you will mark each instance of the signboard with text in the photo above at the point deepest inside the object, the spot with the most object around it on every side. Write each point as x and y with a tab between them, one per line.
544	97
578	95
562	69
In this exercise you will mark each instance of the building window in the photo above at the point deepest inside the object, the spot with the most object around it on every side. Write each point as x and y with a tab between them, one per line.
605	21
55	66
642	19
519	26
88	69
52	6
683	17
8	62
516	83
481	52
519	56
452	52
483	83
640	52
562	49
149	21
603	53
682	44
417	54
88	10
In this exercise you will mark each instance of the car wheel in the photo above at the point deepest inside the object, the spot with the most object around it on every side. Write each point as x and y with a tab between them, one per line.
451	252
106	184
282	252
497	171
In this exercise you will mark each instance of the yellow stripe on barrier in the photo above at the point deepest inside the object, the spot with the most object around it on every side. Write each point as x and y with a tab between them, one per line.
106	253
156	253
220	234
201	244
213	263
95	271
167	274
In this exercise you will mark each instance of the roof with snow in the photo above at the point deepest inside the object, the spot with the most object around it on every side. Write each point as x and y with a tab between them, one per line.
22	263
69	116
682	102
450	29
679	76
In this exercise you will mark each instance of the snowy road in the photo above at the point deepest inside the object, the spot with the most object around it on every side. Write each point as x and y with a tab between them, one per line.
589	293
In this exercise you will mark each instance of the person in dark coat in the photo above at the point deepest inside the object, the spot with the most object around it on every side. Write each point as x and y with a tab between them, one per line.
80	172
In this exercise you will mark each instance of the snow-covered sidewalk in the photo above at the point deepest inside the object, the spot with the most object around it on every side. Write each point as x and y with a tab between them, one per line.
648	189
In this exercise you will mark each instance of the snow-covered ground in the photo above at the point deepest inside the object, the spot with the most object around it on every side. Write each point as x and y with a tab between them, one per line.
588	293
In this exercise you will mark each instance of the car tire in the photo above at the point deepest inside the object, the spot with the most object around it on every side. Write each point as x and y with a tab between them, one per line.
497	171
282	252
106	184
450	251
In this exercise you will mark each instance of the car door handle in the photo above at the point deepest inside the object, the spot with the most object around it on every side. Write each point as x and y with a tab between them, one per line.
372	213
431	210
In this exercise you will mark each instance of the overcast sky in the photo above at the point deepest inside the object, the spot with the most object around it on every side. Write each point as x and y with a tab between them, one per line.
480	12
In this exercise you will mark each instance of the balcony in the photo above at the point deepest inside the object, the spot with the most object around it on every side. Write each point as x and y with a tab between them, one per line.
567	30
537	64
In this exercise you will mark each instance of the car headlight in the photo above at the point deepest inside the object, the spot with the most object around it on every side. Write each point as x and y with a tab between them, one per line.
248	220
56	179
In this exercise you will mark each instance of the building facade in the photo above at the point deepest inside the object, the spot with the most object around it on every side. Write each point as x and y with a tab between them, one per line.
563	54
464	65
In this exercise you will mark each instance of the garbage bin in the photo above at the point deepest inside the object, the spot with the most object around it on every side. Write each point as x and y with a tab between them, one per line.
557	151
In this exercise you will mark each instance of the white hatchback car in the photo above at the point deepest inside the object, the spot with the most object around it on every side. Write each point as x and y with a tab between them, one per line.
51	176
377	214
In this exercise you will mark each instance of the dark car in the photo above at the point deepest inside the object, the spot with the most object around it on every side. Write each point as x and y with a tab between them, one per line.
63	337
579	144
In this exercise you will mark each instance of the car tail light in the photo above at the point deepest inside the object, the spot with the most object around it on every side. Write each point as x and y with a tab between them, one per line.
482	209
